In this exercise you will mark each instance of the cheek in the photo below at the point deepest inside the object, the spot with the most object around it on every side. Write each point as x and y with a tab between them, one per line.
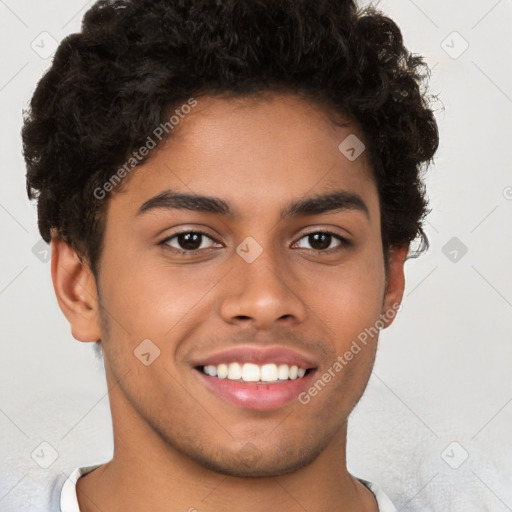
152	300
348	299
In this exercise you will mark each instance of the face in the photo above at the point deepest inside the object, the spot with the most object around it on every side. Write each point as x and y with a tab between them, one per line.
279	263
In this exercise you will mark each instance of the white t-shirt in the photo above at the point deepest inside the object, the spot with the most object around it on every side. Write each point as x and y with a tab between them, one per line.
69	500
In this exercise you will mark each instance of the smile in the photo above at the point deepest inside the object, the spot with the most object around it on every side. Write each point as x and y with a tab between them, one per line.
250	372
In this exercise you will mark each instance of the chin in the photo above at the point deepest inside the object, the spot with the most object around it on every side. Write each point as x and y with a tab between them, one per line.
251	462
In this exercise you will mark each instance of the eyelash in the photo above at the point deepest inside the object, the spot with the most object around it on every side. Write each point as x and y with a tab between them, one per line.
343	242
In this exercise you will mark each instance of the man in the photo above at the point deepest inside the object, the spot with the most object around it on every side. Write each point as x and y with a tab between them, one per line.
230	189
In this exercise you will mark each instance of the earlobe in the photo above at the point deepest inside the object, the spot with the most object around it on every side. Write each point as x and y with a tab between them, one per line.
75	289
395	284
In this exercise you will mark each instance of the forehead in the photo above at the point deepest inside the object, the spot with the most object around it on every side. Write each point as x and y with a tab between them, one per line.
258	151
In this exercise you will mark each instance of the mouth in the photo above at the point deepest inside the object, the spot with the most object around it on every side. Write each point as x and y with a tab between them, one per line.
256	378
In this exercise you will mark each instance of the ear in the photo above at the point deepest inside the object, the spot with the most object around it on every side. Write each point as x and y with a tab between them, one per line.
76	292
395	284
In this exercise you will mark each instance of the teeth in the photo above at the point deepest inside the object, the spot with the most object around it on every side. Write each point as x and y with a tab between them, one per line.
283	371
269	373
250	372
211	370
222	371
234	371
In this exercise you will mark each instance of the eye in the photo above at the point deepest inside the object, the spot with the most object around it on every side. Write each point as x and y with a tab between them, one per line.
323	241
193	241
187	241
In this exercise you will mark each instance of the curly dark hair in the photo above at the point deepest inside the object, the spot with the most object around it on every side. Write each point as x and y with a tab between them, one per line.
134	61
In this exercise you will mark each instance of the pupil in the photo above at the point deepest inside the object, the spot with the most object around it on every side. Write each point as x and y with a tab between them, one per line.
189	241
323	238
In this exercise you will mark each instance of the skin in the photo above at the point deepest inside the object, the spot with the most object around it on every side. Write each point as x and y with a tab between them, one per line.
177	445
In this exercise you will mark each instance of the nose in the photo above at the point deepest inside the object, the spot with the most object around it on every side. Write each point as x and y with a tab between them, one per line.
262	293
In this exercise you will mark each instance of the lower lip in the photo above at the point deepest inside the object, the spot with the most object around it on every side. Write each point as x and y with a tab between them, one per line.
259	397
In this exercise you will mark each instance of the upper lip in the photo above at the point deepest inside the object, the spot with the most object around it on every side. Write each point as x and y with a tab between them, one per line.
258	355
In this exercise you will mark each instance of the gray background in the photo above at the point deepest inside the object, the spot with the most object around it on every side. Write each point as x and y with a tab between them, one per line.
434	427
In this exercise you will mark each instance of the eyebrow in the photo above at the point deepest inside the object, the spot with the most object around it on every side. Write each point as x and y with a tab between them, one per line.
338	200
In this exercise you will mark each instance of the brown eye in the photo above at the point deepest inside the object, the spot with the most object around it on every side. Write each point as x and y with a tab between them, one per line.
188	241
322	241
